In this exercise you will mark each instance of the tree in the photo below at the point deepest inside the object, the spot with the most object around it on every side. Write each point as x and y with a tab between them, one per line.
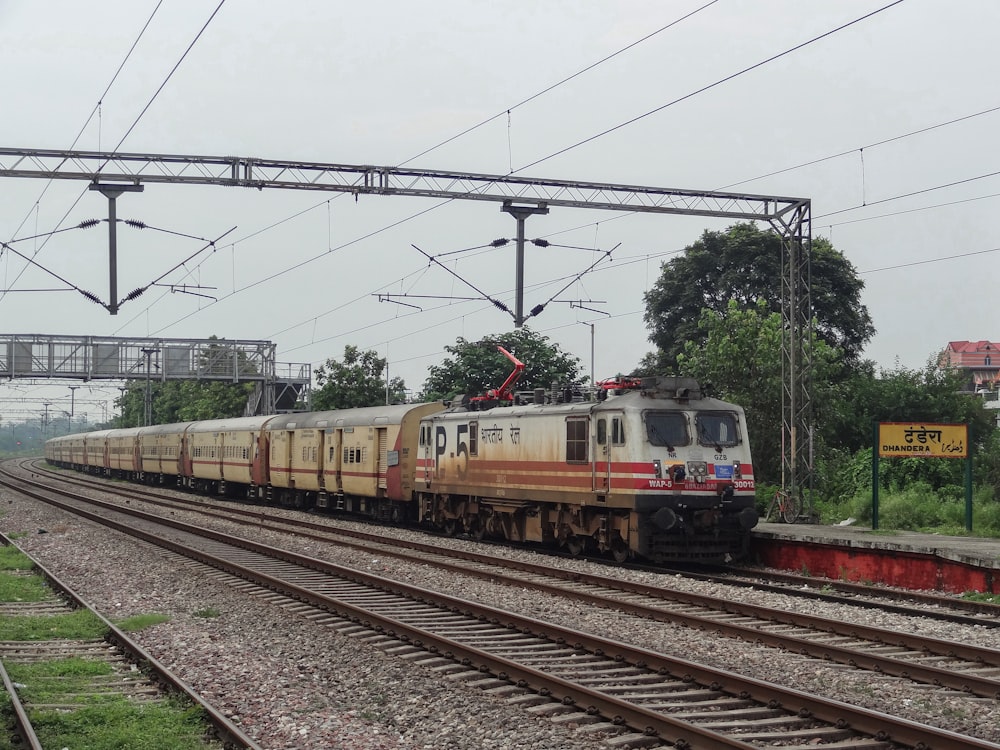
741	361
743	265
192	399
477	366
182	401
354	382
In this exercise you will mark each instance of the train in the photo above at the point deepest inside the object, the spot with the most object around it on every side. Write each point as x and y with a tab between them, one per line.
649	469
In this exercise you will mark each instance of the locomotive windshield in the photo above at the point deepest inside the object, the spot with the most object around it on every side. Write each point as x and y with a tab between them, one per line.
666	428
717	429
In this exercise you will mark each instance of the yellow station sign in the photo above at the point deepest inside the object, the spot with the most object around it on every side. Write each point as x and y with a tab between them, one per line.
923	440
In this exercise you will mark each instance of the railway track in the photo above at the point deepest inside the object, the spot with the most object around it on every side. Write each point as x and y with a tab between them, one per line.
663	699
121	668
943	663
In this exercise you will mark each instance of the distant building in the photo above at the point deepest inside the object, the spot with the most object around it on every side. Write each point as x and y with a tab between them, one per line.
979	360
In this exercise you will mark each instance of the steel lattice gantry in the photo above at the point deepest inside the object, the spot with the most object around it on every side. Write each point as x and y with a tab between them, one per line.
790	217
89	358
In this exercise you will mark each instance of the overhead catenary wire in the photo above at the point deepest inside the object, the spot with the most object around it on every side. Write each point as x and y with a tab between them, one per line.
439	145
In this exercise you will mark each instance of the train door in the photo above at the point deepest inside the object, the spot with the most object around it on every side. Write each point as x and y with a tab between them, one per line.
383	459
321	460
260	461
292	458
609	450
427	452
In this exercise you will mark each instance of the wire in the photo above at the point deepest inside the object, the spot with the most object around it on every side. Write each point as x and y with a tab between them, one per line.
710	86
508	110
167	79
908	195
932	260
869	146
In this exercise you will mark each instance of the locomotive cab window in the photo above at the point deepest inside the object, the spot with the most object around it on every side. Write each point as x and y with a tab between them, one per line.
617	431
576	440
668	429
473	438
717	429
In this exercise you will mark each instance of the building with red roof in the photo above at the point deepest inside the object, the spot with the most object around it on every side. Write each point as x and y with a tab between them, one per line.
980	360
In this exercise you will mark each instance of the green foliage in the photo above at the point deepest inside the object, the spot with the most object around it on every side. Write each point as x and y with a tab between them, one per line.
738	355
182	401
23	588
979	596
80	624
56	681
356	381
477	366
11	558
742	266
121	723
189	400
918	506
141	622
929	394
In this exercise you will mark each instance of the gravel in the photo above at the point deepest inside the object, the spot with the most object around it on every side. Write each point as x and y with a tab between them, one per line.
292	684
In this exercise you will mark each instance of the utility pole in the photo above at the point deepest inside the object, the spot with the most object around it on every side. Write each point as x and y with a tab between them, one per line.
521	213
593	384
72	404
111	192
149	393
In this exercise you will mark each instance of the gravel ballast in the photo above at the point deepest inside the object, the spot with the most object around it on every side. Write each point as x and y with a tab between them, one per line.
292	684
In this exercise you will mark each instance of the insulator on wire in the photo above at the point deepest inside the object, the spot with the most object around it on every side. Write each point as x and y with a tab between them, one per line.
500	242
500	305
89	295
537	309
540	242
135	223
89	223
135	293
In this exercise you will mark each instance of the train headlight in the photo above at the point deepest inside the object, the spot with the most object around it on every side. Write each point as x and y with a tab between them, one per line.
657	468
737	470
699	470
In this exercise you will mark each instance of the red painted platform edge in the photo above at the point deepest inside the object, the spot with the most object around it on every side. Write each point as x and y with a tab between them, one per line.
891	567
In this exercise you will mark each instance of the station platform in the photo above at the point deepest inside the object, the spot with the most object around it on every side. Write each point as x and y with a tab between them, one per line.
896	558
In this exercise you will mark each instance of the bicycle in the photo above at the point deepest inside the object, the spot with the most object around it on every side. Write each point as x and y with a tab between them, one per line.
788	507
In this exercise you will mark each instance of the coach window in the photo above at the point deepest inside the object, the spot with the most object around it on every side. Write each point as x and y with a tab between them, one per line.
602	431
576	441
473	438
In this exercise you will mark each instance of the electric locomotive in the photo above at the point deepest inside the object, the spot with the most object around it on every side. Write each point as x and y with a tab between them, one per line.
656	470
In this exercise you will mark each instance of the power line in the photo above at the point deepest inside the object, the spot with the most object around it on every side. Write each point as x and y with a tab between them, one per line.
427	151
708	87
556	85
861	149
100	99
134	123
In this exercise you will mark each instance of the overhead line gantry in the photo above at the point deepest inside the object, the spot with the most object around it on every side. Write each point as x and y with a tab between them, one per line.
520	196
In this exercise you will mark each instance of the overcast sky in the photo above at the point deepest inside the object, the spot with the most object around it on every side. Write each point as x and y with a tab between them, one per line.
382	82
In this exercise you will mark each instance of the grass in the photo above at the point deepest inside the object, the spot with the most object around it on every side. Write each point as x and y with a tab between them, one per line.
141	622
123	724
979	596
77	625
11	558
105	719
24	589
57	681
